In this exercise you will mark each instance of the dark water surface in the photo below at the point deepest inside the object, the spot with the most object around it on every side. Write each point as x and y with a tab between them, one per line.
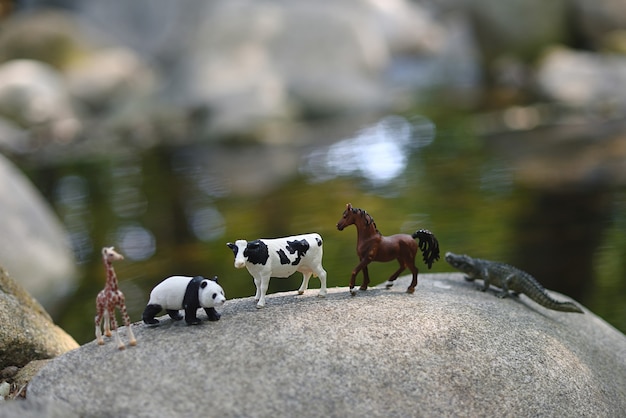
171	209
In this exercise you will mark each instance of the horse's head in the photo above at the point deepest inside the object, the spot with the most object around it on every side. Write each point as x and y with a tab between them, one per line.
347	218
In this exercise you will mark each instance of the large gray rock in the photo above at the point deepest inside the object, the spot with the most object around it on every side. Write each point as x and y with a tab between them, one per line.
34	246
31	409
447	350
27	331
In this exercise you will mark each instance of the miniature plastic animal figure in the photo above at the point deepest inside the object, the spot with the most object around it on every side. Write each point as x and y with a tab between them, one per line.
281	257
373	246
507	278
188	293
108	299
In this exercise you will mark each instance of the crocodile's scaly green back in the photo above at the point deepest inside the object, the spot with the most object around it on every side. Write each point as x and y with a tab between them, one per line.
510	278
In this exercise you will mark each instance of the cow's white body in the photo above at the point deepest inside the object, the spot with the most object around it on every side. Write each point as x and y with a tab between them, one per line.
284	257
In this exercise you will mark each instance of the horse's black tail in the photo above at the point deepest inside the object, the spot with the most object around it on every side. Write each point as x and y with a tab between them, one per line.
429	246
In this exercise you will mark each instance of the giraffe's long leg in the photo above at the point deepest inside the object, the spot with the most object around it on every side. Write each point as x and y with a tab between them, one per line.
98	321
126	318
107	322
120	344
100	308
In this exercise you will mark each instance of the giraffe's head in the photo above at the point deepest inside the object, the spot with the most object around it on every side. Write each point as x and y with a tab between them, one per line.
109	254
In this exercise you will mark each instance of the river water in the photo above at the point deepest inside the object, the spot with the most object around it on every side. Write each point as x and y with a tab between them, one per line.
171	209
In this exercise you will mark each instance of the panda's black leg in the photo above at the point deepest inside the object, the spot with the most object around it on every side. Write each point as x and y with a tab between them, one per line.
174	314
149	313
190	316
212	314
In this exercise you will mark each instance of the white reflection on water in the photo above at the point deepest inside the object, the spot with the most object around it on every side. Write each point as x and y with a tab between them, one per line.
207	223
136	243
378	153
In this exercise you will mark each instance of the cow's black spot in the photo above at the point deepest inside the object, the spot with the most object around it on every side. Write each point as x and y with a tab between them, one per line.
283	257
300	247
233	247
256	252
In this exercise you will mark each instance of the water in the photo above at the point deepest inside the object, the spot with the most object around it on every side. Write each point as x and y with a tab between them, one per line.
171	209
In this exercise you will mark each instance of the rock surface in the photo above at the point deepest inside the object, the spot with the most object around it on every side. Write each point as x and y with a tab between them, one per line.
447	350
27	332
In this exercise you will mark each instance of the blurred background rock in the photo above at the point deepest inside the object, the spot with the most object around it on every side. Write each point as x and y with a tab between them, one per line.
169	128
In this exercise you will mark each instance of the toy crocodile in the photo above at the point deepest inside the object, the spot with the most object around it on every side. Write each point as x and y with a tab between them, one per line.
508	278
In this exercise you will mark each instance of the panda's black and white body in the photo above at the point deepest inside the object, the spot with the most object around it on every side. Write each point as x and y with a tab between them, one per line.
188	293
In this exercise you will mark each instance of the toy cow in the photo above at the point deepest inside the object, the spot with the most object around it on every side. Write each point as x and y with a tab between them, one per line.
281	257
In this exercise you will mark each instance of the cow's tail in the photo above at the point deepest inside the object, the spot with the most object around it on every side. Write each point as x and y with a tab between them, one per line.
429	246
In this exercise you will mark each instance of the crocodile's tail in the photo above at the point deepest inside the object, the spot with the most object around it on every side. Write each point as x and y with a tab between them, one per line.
429	246
535	291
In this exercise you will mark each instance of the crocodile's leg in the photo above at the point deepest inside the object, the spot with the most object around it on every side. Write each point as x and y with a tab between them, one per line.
505	286
485	277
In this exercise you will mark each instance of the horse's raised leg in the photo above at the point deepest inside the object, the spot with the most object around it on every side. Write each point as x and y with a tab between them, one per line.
305	282
394	276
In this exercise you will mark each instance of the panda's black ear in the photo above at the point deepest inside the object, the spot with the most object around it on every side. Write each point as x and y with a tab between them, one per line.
203	284
214	279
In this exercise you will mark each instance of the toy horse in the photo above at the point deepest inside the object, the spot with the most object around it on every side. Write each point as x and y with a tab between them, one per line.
374	246
110	298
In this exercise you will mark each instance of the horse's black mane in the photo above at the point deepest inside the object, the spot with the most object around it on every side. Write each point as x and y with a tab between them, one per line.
368	218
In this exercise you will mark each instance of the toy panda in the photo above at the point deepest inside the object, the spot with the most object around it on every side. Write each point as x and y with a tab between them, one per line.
184	292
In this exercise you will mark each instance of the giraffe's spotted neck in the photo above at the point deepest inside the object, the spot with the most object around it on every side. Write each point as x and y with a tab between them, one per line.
111	283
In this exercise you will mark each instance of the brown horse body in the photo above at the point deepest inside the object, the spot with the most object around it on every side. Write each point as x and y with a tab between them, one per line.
373	246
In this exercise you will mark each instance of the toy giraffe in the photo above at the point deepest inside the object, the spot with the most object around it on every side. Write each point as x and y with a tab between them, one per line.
110	298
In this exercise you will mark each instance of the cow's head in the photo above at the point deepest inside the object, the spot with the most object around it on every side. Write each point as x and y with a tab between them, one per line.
253	252
239	249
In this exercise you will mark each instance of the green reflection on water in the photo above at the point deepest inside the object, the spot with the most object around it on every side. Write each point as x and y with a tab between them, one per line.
171	210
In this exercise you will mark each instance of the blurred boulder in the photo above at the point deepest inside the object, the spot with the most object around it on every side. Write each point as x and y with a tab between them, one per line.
517	27
34	245
34	95
580	78
599	21
46	36
13	138
239	66
105	77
